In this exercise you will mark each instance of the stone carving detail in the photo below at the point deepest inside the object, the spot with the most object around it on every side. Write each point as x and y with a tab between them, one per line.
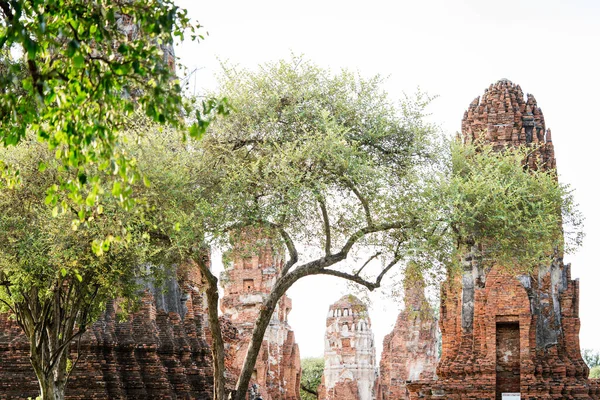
256	263
350	369
160	351
410	350
502	333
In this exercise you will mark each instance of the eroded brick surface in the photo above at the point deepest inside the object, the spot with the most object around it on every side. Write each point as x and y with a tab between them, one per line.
255	264
410	350
350	369
159	352
486	313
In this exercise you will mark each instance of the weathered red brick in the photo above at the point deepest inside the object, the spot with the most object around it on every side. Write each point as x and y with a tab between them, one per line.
502	332
256	263
410	350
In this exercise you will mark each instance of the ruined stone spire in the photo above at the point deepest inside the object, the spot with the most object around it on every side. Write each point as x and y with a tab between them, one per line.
410	350
256	262
350	370
503	117
502	333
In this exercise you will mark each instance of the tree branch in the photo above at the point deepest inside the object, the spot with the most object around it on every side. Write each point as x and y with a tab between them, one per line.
326	226
374	256
308	390
363	201
369	229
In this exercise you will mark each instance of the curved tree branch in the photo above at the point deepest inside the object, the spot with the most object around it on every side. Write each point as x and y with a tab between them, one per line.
374	256
309	390
363	201
326	225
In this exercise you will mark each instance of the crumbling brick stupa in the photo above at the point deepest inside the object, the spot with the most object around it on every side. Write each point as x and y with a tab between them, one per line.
256	263
410	351
503	333
350	370
159	352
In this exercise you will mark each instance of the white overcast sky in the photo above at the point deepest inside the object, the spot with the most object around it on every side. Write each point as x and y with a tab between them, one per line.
453	49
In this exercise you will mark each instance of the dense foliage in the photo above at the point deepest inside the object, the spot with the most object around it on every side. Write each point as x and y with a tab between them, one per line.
328	161
312	371
513	214
56	272
86	68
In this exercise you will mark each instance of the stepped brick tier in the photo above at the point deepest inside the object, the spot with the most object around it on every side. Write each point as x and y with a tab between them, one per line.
350	370
256	264
159	352
502	117
410	350
503	333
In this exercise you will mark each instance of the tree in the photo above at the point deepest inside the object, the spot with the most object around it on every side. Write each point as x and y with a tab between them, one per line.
327	163
51	279
312	371
55	279
87	67
595	372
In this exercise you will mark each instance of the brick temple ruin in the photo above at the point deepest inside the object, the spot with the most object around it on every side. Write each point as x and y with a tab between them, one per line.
410	351
500	333
247	281
160	351
350	370
503	333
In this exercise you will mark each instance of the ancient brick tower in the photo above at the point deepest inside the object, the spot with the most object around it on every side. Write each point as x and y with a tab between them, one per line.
500	333
350	370
410	351
256	263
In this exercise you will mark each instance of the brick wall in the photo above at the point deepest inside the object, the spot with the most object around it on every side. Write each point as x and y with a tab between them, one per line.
159	352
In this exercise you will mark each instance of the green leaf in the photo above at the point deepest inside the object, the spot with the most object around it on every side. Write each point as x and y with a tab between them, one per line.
72	48
79	61
116	189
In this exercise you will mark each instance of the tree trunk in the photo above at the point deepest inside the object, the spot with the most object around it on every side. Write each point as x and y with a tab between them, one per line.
51	389
54	382
264	317
217	347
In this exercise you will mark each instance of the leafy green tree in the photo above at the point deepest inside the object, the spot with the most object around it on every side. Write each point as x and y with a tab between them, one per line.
87	67
51	280
312	371
515	215
595	372
55	279
329	166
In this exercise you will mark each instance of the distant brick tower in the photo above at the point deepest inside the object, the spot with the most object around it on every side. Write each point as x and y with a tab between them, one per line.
410	351
503	334
350	369
256	263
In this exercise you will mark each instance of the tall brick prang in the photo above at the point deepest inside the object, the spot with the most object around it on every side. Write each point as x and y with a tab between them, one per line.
503	333
256	263
410	351
350	371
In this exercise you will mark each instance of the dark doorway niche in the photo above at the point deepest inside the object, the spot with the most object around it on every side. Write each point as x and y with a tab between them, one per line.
508	358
